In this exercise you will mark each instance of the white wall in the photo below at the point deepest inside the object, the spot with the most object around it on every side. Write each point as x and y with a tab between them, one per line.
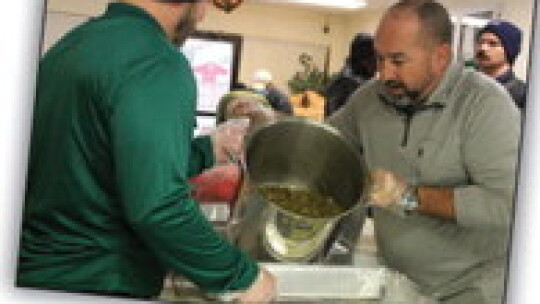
364	21
275	34
516	11
83	7
269	42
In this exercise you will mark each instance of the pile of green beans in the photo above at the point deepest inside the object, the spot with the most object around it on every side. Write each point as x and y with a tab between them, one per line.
301	201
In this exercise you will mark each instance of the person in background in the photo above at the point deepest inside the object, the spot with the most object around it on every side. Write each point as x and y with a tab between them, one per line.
262	83
222	183
360	66
228	106
108	207
497	46
240	86
441	142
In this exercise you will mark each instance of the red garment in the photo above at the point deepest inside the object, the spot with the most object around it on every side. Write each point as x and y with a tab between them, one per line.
217	184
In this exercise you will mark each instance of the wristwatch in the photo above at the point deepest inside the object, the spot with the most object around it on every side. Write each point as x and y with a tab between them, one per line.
409	200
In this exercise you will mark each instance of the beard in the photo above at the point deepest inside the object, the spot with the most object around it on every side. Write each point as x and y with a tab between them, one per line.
407	95
185	26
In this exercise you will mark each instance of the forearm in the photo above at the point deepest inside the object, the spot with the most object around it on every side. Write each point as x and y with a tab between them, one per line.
186	243
436	201
470	206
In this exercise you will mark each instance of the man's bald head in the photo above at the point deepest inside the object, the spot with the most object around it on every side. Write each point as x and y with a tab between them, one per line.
413	46
435	26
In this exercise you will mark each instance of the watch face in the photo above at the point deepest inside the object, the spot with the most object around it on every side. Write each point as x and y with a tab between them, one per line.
408	202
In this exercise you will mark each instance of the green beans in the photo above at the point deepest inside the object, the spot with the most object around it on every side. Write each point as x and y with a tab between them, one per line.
301	201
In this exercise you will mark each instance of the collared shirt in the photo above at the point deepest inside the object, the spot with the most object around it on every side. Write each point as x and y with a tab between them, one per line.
468	142
108	206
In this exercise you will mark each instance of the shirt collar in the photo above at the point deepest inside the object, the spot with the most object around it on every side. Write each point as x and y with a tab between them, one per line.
447	84
116	9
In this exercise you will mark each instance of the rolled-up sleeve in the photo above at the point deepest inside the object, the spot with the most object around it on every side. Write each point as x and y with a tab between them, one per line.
490	151
201	155
154	153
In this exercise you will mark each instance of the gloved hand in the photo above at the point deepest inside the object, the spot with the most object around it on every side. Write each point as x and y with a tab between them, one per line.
263	290
385	188
257	113
228	140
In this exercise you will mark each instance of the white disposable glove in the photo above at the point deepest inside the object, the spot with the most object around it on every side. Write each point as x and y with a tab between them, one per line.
228	140
385	188
263	290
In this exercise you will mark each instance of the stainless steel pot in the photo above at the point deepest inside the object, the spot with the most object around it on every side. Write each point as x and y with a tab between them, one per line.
298	152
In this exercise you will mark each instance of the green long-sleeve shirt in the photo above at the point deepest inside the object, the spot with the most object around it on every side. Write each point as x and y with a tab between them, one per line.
108	205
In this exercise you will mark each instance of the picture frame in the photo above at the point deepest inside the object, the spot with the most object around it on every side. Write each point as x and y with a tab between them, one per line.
215	60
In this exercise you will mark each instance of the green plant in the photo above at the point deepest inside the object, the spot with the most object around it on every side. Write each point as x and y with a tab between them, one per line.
310	78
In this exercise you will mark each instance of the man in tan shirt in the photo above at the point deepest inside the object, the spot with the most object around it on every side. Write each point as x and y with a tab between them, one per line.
441	142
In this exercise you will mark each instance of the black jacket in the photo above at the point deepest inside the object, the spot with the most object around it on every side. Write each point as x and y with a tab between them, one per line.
278	100
339	89
515	86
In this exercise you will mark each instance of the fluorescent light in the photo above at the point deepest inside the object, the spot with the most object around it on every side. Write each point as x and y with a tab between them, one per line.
346	4
470	20
478	22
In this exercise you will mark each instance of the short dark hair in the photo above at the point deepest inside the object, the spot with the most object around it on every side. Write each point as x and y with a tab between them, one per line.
362	59
434	18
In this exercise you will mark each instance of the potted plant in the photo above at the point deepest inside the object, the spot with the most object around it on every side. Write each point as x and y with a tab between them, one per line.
306	87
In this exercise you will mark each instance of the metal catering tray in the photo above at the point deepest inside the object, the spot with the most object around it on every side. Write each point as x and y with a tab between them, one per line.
297	281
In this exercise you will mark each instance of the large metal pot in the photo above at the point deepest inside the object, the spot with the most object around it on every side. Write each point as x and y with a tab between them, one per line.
306	153
298	152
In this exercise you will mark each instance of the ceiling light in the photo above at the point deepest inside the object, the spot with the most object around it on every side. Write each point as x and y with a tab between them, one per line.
473	21
345	4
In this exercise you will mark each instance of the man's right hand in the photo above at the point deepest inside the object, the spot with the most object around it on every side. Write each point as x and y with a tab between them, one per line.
263	290
385	188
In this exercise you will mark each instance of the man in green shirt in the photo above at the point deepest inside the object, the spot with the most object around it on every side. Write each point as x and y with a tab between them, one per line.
108	206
